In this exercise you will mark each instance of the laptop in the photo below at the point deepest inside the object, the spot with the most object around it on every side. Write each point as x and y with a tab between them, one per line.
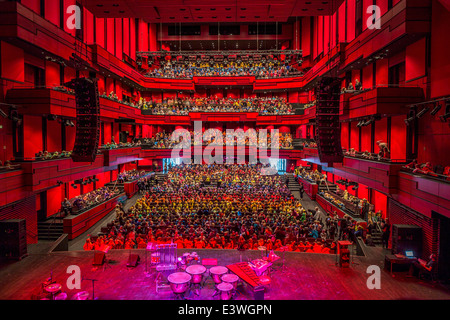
409	254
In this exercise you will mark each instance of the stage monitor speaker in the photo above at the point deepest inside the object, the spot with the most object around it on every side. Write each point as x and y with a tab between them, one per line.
133	260
88	119
99	259
407	238
13	239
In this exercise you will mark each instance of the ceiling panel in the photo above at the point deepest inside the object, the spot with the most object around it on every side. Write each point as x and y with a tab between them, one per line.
166	11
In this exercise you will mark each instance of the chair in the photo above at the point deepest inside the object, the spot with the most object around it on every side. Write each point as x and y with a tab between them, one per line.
430	274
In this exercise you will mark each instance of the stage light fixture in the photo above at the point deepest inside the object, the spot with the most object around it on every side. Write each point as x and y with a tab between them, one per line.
422	112
74	185
447	112
436	108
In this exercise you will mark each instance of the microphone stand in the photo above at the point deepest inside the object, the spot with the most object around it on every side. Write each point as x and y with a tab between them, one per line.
93	287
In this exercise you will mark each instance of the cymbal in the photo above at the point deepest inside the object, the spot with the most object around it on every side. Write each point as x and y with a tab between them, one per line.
52	288
82	295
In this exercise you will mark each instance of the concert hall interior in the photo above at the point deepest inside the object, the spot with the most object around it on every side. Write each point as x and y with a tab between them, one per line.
224	150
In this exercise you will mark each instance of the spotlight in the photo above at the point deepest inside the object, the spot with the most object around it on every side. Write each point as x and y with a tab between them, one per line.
436	109
368	122
409	120
74	185
422	112
447	112
360	124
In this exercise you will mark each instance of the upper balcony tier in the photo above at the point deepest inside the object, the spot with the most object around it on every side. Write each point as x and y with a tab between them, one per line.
45	101
404	24
379	100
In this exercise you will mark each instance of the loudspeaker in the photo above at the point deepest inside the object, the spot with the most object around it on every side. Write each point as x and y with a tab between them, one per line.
133	260
407	238
328	129
99	259
88	119
13	239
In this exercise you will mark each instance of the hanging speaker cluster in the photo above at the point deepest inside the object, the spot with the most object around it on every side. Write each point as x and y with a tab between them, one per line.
328	129
88	119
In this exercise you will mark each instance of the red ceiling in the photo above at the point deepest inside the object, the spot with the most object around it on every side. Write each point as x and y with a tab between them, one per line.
167	11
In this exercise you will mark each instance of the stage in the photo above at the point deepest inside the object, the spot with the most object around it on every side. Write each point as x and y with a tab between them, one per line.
308	276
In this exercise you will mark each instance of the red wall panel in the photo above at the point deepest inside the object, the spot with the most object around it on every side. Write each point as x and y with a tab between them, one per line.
53	136
54	198
12	62
119	40
350	20
100	32
32	131
398	137
354	136
52	74
32	4
366	138
52	13
110	35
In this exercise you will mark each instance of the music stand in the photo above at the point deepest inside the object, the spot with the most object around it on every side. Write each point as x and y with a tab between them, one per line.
105	250
93	287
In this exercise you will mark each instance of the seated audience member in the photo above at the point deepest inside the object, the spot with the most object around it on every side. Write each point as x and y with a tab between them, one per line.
358	85
425	169
422	265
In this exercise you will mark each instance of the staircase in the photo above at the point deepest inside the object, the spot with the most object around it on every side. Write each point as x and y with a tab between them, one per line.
50	229
377	237
292	184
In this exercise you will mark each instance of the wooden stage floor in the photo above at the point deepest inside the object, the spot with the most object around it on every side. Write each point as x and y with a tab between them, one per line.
309	276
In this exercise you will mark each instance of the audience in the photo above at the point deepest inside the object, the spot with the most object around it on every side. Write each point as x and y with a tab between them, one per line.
426	168
88	200
162	140
263	69
241	208
182	106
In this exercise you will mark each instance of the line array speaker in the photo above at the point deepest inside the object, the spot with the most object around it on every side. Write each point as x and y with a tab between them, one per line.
328	129
88	119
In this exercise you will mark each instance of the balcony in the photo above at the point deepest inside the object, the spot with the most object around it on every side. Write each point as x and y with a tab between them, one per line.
378	175
41	174
114	157
424	194
379	100
404	24
12	186
62	103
